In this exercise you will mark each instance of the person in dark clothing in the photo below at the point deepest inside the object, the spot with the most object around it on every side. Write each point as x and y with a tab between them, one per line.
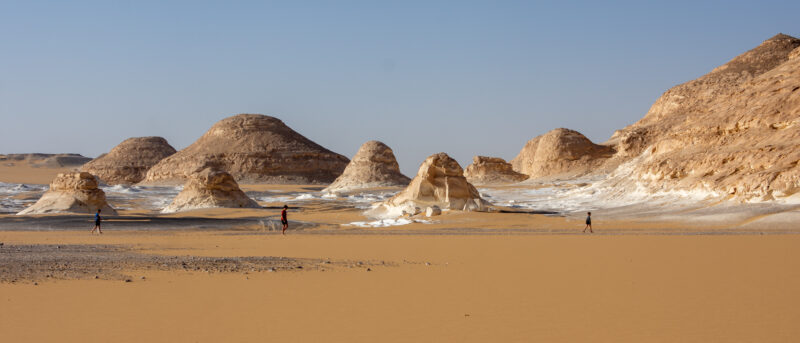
588	223
284	221
97	220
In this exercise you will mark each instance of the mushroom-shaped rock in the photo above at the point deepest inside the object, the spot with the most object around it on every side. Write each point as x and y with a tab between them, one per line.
374	165
75	192
492	170
439	182
560	151
252	148
210	188
128	162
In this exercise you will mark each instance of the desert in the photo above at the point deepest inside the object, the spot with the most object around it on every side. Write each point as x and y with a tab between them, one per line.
694	210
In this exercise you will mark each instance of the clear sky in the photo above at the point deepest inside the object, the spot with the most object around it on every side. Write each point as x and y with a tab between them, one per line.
464	77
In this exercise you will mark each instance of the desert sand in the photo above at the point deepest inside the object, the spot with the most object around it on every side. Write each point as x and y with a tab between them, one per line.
692	243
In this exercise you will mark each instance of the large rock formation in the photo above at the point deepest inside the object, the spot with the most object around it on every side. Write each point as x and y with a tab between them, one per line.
129	161
439	182
374	165
210	188
732	131
491	170
71	192
560	152
253	148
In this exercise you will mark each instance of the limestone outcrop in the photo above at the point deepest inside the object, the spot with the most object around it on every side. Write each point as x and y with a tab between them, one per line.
734	131
210	188
252	148
560	152
128	162
439	182
486	170
46	160
374	165
71	193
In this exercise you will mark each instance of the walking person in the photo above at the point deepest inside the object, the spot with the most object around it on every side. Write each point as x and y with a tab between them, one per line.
284	221
97	220
588	223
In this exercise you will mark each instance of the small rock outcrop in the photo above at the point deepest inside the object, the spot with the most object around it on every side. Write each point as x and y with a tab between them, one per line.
560	152
374	165
71	193
252	148
492	170
439	182
210	188
128	162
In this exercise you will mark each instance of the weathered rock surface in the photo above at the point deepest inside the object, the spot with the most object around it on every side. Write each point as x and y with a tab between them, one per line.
433	211
374	165
128	162
733	131
439	182
560	152
252	148
210	188
492	170
72	193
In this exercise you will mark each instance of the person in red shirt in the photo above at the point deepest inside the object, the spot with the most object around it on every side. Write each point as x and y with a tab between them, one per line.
284	221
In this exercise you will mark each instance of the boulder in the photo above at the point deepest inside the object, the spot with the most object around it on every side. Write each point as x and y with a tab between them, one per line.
433	211
492	170
210	188
128	162
75	192
252	148
374	165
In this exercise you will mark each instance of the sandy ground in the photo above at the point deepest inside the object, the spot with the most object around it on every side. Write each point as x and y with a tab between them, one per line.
23	172
614	288
223	275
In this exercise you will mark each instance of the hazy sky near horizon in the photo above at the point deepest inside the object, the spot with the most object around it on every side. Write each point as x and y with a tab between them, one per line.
464	77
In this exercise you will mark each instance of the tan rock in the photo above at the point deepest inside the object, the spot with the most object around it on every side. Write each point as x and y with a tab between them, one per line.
128	162
210	188
252	148
560	152
439	182
433	211
374	165
71	193
732	131
491	170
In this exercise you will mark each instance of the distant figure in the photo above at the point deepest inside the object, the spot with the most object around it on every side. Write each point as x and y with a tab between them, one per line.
97	220
588	222
284	221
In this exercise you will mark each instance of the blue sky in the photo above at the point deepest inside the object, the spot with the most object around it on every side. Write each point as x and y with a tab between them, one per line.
464	77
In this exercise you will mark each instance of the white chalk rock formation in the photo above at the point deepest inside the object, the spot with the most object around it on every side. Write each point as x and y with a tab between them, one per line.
486	170
374	165
72	193
210	188
439	182
128	162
